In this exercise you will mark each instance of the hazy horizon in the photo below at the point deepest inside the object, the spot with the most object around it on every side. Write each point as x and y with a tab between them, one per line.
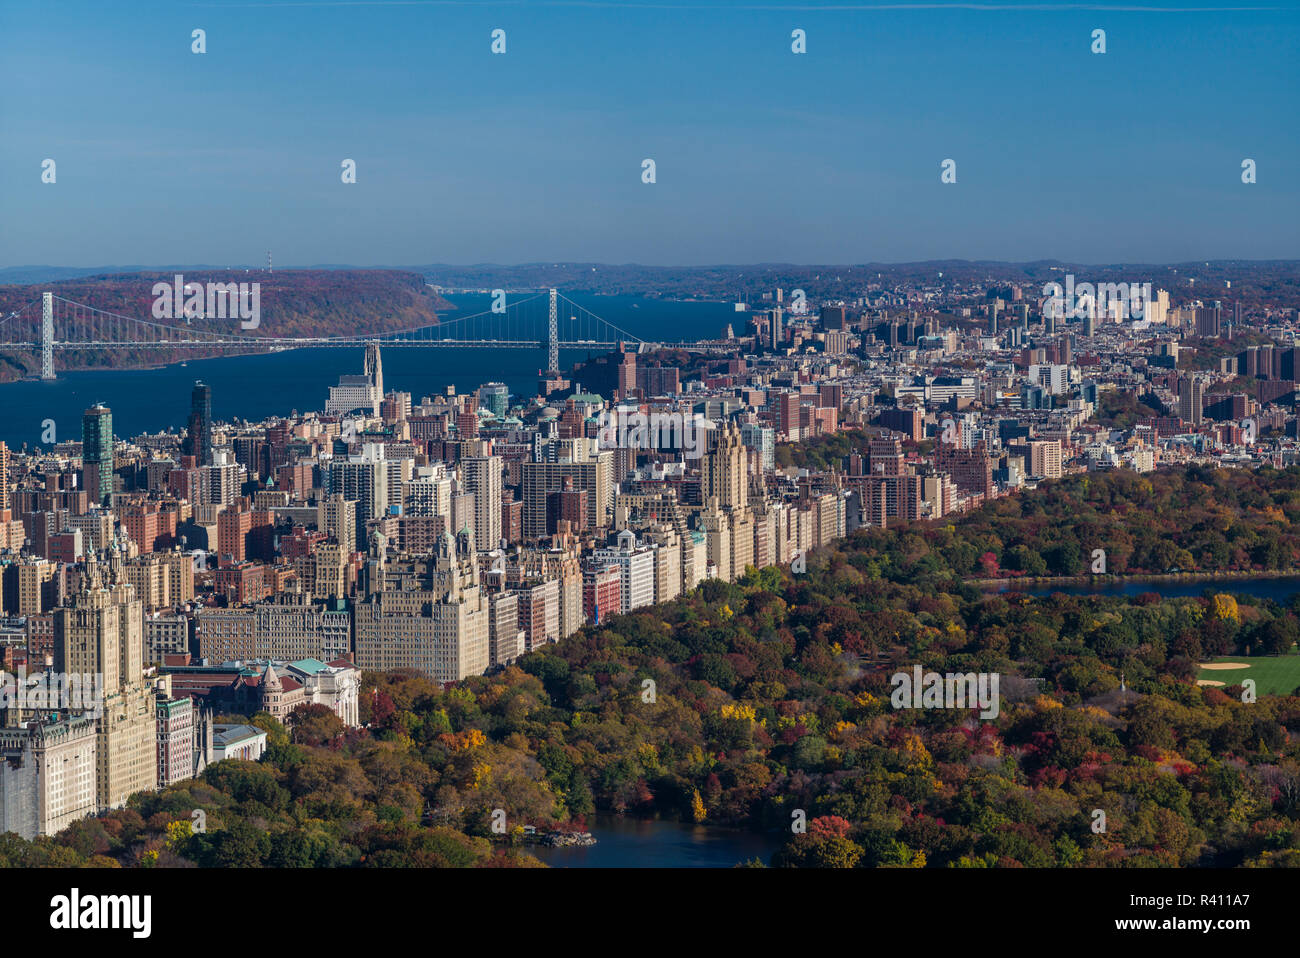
127	268
762	154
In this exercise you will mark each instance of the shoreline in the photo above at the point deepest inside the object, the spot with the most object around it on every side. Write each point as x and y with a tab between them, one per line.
1046	582
624	832
150	367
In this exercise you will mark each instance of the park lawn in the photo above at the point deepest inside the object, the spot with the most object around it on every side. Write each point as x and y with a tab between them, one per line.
1273	674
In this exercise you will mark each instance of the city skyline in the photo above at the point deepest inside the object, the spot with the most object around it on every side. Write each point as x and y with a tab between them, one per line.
744	434
566	604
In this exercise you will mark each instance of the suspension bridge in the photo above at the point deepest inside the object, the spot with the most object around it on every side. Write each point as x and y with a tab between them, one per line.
544	320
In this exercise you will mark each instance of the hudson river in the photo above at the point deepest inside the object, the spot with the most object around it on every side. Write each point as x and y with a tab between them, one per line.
275	384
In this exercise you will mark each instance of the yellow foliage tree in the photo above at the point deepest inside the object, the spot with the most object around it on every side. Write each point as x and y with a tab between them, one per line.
177	832
916	753
697	807
1225	607
738	711
648	754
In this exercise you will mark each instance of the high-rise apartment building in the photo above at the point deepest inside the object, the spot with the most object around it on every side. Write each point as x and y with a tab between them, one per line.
539	612
4	483
724	475
1042	457
505	637
102	633
433	618
762	439
291	626
47	778
593	475
566	504
833	317
12	531
494	397
364	480
1209	321
482	478
971	469
601	586
636	569
1191	399
97	453
626	375
38	586
428	492
787	405
198	440
337	517
175	735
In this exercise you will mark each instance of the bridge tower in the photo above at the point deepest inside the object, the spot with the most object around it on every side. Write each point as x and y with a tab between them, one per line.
47	335
553	340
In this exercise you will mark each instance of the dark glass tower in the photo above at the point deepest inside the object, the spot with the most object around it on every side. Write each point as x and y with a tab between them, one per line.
199	441
97	452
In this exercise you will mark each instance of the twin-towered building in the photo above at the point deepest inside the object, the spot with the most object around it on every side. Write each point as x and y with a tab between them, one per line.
113	727
92	753
428	614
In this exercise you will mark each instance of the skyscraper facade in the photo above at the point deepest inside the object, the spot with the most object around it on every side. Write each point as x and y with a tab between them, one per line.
723	473
97	452
1191	399
102	633
1209	321
431	616
198	443
494	397
483	480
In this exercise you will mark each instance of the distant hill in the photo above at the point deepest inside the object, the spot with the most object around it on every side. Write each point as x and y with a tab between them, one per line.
1253	283
26	275
292	303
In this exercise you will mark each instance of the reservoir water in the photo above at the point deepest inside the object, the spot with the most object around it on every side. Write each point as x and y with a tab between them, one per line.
1278	588
638	843
258	386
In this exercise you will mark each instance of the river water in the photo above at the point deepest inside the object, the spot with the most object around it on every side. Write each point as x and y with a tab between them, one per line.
274	384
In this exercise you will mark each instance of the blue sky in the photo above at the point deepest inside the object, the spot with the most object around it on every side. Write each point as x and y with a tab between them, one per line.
762	155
